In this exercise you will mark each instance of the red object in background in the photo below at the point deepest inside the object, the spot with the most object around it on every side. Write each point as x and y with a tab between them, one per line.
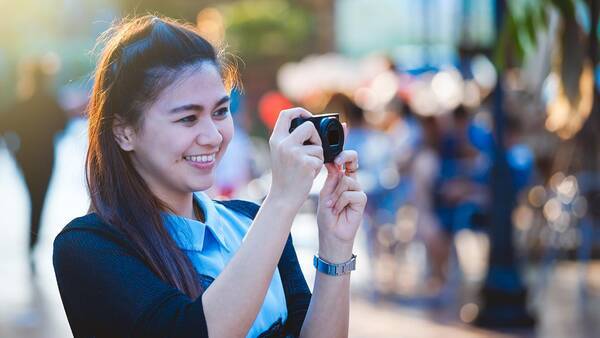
227	192
405	88
269	106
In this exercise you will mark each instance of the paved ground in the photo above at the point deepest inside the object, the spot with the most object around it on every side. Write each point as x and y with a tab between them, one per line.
567	296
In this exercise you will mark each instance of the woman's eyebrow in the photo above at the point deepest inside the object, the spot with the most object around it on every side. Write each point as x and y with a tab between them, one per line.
198	107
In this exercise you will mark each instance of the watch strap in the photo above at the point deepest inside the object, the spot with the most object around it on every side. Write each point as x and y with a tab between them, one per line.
334	269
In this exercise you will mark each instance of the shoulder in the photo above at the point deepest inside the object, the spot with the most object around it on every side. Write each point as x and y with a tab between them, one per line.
90	223
87	234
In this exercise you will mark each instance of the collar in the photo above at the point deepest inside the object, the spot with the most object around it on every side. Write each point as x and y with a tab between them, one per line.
189	233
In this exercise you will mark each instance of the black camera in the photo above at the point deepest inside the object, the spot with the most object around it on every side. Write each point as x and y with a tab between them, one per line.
330	131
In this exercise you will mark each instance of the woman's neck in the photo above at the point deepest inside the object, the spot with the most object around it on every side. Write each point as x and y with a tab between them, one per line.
180	204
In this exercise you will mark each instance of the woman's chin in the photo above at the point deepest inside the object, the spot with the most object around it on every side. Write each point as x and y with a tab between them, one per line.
205	185
200	180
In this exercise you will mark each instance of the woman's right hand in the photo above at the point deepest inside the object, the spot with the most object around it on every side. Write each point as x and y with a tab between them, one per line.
294	165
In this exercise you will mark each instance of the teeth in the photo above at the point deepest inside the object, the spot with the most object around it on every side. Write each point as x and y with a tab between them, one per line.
201	158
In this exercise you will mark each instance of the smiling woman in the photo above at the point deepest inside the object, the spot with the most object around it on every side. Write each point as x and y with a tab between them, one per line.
156	257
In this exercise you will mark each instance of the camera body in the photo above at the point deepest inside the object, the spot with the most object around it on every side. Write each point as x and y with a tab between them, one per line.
330	131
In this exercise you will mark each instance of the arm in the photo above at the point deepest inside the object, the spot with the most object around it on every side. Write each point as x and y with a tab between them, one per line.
340	211
329	307
233	300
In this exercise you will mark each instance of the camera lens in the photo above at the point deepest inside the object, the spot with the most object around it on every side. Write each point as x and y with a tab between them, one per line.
333	137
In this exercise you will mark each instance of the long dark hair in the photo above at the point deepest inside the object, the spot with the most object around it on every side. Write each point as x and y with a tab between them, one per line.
140	58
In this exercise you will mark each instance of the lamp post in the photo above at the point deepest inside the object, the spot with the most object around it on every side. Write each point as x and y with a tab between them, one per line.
503	294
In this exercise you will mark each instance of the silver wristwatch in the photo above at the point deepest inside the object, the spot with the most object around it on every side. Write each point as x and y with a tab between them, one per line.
334	269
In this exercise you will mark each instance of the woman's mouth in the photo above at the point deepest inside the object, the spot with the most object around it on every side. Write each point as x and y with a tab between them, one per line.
204	161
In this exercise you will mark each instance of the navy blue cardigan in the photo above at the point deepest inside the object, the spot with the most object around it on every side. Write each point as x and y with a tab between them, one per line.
108	291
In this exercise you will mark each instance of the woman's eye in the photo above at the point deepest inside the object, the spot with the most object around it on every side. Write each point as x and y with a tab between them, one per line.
221	112
190	118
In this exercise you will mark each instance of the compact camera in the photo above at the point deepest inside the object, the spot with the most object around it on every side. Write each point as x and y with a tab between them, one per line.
330	131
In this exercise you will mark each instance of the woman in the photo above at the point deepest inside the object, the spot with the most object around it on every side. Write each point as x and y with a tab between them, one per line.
156	259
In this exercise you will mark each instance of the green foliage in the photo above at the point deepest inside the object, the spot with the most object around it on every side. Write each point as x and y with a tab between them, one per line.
524	19
267	28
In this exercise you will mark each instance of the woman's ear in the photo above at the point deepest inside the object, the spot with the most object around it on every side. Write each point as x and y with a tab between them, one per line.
124	135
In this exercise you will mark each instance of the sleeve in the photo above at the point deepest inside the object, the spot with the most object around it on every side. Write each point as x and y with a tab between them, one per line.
297	293
109	292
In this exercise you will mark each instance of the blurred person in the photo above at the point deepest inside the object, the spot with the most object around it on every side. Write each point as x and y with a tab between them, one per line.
156	256
417	141
463	192
425	169
35	118
462	188
405	131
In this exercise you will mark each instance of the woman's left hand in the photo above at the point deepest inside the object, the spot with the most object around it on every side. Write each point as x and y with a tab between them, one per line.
341	206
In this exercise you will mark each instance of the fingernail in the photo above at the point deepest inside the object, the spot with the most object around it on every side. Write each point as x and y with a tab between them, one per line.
329	203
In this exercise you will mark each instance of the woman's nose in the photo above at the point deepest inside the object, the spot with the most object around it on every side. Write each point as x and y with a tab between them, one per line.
209	134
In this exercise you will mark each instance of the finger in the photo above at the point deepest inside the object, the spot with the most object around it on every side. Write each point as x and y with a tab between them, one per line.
347	157
345	126
282	126
346	184
314	164
314	150
333	176
349	160
356	200
306	132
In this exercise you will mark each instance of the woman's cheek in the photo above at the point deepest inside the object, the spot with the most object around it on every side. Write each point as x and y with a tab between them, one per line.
227	133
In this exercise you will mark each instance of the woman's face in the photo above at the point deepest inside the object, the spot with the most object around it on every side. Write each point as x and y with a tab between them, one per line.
184	134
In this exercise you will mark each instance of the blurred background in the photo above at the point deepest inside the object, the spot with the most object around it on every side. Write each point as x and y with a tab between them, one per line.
475	122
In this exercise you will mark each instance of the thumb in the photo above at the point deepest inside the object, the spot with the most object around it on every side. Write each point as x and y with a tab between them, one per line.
333	176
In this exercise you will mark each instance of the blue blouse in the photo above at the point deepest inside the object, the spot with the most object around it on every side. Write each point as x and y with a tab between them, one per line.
212	244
